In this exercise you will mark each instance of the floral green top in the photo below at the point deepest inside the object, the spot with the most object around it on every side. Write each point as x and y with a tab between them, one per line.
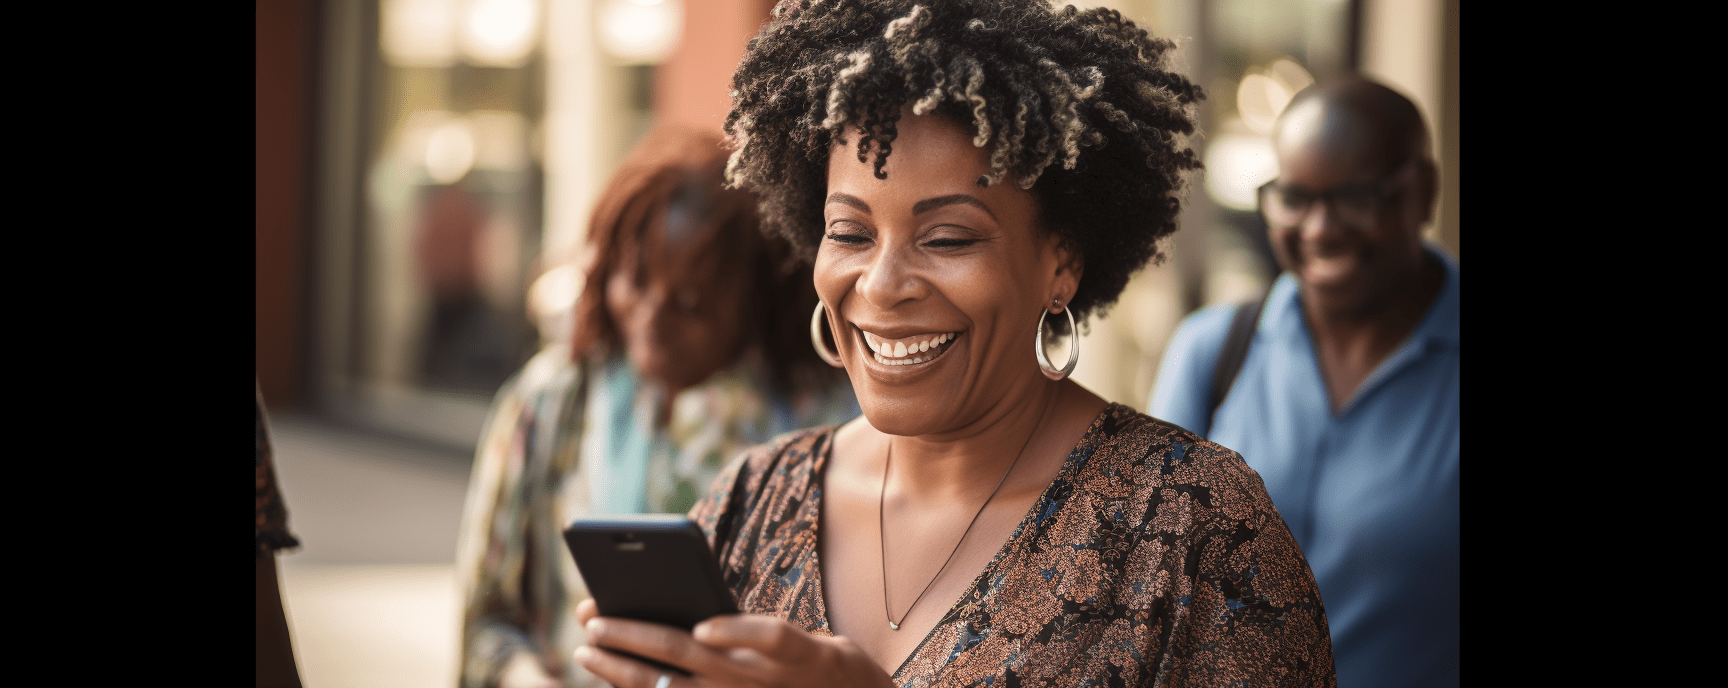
1154	558
565	440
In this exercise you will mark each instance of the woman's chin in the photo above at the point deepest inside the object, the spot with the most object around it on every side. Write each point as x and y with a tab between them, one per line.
673	373
899	421
910	399
908	413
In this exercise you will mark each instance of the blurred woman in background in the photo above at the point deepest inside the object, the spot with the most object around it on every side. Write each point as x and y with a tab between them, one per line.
690	344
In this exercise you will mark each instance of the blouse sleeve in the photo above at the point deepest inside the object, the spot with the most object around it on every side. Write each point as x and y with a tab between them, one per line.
496	565
731	512
716	512
1252	614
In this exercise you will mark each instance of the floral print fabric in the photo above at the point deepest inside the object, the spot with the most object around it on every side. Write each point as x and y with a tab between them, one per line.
1155	558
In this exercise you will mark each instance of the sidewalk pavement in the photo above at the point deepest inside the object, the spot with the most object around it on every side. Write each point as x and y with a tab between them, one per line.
370	595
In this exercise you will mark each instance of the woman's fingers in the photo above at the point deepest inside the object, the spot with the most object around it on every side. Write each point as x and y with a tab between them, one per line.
768	635
724	651
586	610
659	643
649	640
786	655
624	672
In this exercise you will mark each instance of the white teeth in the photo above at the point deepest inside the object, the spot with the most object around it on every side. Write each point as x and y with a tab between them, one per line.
896	353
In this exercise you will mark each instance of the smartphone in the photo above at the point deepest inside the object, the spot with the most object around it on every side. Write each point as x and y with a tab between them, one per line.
649	567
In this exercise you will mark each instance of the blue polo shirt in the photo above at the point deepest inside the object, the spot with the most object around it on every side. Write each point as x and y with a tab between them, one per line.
1371	493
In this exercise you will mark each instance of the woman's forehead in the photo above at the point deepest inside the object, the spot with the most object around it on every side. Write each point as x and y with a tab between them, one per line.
933	163
927	143
673	245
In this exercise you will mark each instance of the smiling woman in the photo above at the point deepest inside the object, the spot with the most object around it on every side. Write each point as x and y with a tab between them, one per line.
967	177
924	253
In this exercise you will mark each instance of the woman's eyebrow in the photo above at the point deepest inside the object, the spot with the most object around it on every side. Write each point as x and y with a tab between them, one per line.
848	199
930	204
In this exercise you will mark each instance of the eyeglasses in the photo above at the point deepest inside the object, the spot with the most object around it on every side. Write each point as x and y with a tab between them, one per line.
1357	205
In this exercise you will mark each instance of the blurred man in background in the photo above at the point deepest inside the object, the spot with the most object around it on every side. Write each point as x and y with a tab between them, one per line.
1341	387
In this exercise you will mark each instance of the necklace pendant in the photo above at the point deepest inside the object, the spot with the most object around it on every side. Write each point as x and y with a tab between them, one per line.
893	626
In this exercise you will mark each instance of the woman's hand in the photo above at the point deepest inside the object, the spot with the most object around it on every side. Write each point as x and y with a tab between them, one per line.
733	650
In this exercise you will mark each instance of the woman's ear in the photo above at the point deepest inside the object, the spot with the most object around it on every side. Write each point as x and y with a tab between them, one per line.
1070	265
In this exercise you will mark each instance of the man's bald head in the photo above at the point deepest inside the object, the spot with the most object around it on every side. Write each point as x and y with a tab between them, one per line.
1359	145
1355	118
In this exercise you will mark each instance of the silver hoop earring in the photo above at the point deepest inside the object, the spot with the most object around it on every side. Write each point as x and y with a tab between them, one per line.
1044	366
816	319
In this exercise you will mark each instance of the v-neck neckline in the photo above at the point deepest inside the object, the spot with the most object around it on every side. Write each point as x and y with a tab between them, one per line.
820	474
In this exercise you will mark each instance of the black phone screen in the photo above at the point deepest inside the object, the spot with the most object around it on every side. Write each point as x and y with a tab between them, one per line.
655	568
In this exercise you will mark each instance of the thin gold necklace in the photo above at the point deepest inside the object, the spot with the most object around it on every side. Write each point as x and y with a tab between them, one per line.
882	533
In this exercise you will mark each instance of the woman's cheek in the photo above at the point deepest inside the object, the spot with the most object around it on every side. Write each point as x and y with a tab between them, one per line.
827	274
970	286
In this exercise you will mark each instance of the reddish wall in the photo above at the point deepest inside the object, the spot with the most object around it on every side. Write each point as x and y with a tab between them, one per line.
691	86
281	145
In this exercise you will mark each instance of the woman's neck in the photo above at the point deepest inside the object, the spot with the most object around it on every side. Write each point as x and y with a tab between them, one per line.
956	465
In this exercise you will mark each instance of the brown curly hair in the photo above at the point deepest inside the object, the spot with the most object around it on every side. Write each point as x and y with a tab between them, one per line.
673	163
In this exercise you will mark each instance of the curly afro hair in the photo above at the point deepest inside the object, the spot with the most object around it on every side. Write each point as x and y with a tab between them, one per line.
1080	107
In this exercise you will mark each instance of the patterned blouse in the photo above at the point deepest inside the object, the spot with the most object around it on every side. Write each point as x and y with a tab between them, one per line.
566	440
1154	558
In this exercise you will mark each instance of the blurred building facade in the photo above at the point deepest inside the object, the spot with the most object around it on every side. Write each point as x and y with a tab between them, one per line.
426	168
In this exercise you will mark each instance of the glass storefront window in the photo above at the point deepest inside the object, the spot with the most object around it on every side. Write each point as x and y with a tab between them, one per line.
453	196
445	123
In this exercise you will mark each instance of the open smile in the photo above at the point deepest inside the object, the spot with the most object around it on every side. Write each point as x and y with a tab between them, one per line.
911	350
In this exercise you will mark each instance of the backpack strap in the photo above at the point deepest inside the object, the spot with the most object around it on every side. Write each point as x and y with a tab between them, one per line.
1234	352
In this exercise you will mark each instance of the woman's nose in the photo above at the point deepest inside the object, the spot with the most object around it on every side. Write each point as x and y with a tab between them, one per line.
889	279
655	307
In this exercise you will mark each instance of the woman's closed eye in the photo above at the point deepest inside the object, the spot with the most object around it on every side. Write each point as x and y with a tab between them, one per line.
948	237
950	242
847	232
